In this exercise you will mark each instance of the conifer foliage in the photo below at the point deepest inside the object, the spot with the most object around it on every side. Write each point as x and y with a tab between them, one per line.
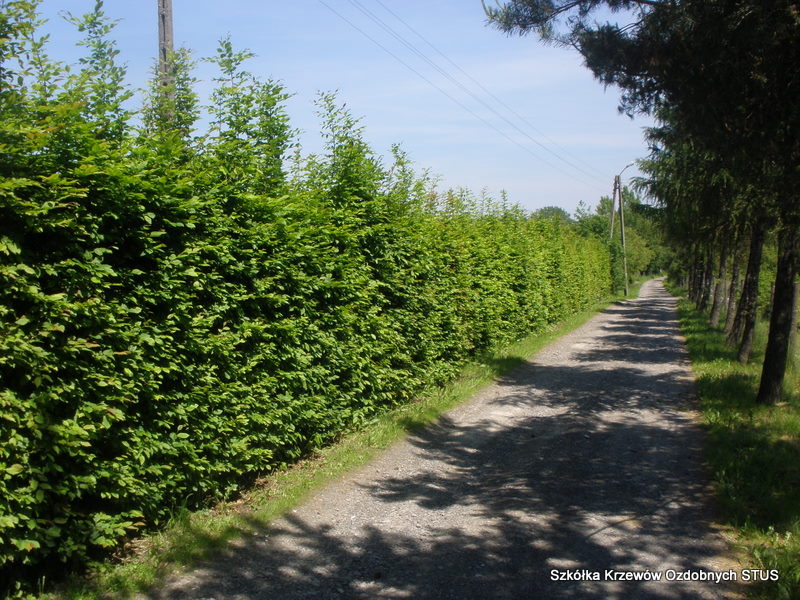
180	312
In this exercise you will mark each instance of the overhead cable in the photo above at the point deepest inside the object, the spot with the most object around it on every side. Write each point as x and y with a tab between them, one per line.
485	90
381	23
451	97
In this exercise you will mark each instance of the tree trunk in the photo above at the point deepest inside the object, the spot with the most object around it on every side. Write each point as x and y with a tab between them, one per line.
696	278
745	323
794	334
719	292
737	326
733	291
707	279
780	322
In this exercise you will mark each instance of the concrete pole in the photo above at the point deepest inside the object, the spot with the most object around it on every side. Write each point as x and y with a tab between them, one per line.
622	231
613	208
618	189
166	43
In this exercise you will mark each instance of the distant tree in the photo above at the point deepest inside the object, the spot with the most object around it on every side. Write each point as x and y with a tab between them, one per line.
594	222
554	213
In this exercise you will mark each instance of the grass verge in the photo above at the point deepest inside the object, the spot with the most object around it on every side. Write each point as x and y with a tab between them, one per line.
754	452
190	537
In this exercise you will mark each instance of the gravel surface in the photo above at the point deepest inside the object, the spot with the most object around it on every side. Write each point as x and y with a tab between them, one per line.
586	460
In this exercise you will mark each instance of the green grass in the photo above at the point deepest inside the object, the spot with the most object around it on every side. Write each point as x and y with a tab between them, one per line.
190	537
754	452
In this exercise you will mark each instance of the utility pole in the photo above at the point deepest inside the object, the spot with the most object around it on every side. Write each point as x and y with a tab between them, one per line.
613	208
622	233
617	197
166	44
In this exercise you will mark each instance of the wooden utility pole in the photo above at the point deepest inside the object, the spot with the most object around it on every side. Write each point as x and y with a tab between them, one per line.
616	196
622	233
166	44
613	208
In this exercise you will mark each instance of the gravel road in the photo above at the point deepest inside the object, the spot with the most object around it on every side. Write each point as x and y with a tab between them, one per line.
584	462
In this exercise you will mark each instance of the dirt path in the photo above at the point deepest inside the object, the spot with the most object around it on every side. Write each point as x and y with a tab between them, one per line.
584	460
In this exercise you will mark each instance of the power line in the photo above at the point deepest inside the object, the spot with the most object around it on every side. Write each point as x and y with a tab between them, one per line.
443	91
483	88
447	94
381	23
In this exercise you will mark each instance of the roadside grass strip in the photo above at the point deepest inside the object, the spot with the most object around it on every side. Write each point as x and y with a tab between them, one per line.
754	452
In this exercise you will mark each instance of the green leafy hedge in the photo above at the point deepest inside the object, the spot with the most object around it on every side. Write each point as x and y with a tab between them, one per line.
180	314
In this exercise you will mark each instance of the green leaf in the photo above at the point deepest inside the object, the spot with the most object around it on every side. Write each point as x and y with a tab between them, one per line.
15	469
7	521
26	545
8	247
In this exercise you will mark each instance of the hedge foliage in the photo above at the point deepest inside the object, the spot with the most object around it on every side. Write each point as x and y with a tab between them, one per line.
180	313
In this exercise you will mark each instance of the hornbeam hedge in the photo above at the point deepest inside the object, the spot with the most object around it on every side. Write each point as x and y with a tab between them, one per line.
180	313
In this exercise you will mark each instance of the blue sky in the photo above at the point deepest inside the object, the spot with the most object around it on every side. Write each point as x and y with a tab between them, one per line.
548	134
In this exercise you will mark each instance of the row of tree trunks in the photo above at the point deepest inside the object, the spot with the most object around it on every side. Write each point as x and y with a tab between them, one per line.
733	290
740	322
696	276
795	334
719	290
701	277
744	323
707	281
